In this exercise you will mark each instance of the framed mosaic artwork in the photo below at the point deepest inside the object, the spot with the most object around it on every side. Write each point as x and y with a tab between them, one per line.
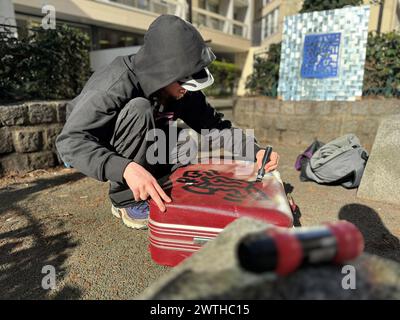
323	54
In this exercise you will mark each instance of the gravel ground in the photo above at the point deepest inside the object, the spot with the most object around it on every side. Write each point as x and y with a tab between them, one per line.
59	217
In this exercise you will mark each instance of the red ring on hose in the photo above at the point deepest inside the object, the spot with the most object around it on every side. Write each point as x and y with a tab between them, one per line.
289	250
350	242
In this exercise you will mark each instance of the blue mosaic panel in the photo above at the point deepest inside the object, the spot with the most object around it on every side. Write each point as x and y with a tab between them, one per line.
302	76
320	55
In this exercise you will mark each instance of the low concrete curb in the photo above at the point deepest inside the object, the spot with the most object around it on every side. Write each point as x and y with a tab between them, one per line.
380	181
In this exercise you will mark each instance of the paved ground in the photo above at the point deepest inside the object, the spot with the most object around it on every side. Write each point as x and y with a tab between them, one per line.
61	218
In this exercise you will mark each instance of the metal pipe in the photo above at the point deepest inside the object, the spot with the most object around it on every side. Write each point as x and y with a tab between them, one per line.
380	18
190	13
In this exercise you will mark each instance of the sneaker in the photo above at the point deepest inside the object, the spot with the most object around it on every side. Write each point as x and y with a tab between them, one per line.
135	217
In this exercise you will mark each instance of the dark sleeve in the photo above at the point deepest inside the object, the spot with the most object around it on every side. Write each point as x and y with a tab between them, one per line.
84	140
198	114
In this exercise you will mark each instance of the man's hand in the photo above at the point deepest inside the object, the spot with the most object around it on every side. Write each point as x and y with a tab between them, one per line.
273	161
143	185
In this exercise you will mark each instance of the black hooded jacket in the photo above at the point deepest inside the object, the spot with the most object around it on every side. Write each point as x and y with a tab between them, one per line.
172	50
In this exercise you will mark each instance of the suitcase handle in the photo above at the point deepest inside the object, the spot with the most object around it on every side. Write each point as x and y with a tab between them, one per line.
200	241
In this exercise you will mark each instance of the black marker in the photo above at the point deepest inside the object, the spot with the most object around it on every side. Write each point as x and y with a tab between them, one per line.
261	171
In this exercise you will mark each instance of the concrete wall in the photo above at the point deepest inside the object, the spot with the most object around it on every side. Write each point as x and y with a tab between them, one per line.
27	135
298	123
28	130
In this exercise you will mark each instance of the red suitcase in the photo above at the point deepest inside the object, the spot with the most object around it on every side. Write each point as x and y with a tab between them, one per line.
205	199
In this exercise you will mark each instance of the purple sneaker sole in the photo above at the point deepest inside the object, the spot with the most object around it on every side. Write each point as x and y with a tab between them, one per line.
133	217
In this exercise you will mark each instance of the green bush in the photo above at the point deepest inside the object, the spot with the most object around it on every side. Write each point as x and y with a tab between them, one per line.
382	65
320	5
46	64
226	75
265	77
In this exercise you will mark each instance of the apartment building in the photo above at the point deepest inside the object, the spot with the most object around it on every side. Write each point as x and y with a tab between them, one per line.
117	27
235	29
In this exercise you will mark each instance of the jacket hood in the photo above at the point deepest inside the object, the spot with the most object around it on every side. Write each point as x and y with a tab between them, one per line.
173	49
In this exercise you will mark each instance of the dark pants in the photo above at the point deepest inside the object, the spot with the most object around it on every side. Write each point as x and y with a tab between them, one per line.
136	120
129	140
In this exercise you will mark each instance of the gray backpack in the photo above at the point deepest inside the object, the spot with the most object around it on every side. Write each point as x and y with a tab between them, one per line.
341	161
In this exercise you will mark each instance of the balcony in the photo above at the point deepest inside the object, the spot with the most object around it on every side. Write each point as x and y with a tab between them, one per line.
241	3
218	22
155	6
201	17
228	34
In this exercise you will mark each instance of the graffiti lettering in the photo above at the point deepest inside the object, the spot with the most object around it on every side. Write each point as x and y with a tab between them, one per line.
210	183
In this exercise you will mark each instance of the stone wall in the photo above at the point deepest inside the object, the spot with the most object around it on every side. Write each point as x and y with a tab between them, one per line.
299	122
27	135
28	130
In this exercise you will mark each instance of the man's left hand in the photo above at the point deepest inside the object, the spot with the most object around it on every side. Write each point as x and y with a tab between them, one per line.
273	160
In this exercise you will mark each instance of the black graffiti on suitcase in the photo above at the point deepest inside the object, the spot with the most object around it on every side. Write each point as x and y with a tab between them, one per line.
211	182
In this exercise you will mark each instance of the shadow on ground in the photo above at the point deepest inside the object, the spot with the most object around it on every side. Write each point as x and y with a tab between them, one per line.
27	245
378	239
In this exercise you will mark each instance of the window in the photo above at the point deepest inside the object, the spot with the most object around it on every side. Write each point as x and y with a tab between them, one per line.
268	28
26	22
213	7
398	15
202	4
108	38
199	19
143	4
133	3
275	21
209	6
271	23
238	30
216	24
